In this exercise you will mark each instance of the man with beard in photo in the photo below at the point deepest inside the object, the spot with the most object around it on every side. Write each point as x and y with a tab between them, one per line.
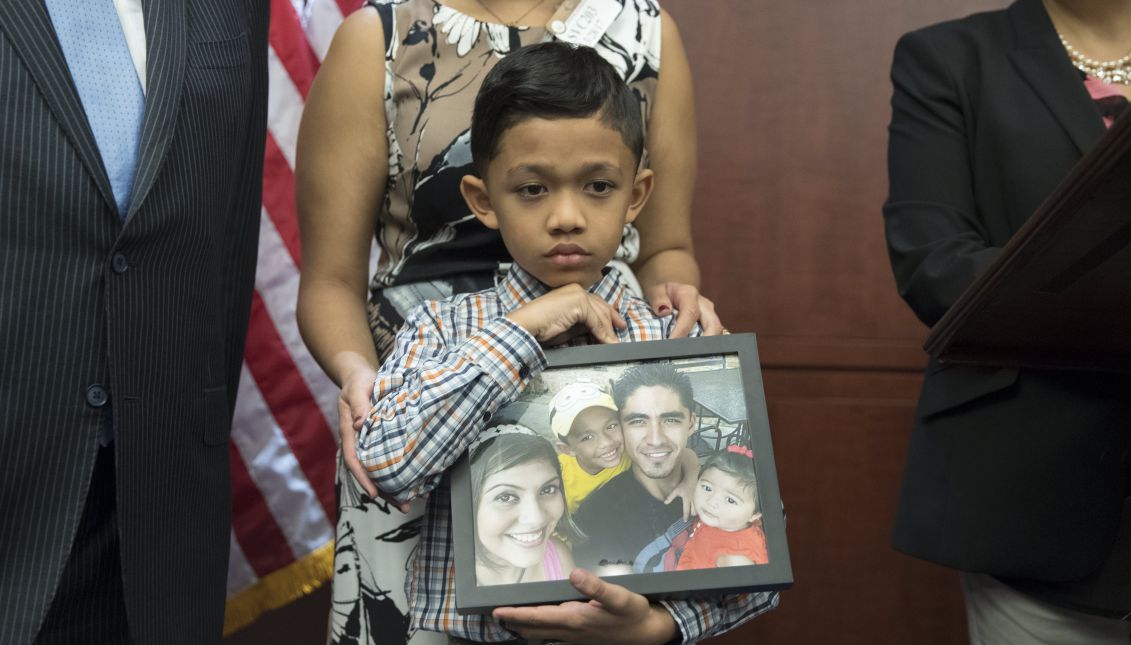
624	515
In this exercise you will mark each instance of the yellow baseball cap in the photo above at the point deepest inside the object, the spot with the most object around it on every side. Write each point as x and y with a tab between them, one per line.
572	400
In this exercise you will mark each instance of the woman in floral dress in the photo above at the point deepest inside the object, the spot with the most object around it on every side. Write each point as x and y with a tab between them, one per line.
381	151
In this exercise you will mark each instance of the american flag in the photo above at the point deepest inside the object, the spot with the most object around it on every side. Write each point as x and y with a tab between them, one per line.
283	438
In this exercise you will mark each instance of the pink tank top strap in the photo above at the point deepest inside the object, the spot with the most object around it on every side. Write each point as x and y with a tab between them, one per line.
551	562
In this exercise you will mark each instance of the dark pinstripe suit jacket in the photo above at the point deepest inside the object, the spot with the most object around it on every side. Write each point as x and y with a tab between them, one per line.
154	308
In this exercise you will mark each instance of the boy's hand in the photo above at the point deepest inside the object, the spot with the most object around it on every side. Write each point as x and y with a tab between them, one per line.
354	404
612	615
566	312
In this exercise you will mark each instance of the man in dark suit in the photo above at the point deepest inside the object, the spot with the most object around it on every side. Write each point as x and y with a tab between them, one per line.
131	151
1017	477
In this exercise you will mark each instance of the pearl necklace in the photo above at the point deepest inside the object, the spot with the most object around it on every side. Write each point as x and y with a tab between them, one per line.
1112	71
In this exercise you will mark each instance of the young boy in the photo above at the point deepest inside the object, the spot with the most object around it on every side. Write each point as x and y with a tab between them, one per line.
556	138
590	444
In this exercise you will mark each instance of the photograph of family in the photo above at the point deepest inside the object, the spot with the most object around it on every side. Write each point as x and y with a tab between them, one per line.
619	468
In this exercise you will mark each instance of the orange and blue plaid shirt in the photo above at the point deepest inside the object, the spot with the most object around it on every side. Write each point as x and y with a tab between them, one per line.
455	363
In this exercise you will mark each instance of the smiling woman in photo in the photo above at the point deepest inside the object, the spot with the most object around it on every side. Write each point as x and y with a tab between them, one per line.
520	508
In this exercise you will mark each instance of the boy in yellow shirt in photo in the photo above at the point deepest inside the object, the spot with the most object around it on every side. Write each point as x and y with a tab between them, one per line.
590	445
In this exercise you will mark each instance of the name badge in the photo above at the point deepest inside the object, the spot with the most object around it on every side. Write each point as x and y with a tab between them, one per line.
583	22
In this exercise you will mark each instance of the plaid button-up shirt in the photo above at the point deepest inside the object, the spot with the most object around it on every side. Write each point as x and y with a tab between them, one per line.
455	363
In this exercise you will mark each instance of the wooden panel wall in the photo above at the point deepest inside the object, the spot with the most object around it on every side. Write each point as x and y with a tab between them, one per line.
792	110
792	101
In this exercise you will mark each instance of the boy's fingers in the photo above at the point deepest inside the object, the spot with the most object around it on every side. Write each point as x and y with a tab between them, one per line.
618	320
535	635
586	582
614	598
566	336
598	318
528	620
612	317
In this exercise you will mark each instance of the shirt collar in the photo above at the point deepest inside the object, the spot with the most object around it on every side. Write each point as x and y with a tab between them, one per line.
519	288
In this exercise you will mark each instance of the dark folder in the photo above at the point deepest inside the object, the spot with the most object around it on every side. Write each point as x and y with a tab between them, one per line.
1059	294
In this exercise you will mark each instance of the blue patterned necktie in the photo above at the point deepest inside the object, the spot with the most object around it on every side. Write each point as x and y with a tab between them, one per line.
104	74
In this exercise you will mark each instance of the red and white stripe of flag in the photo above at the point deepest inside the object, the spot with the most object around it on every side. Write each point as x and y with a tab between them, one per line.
283	442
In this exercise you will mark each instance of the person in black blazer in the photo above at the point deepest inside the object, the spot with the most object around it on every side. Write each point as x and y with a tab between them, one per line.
1016	473
122	333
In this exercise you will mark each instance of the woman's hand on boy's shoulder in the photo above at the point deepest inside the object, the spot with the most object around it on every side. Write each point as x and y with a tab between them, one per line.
613	614
692	307
565	312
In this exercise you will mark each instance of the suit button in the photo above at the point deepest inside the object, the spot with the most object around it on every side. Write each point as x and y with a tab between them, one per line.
119	263
97	396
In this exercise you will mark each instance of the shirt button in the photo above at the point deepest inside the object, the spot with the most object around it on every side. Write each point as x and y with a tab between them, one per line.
119	263
97	396
524	372
558	27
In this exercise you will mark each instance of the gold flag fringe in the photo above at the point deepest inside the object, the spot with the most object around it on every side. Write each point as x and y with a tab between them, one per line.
278	588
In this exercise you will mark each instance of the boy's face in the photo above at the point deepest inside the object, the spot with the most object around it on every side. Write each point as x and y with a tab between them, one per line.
724	501
560	192
595	439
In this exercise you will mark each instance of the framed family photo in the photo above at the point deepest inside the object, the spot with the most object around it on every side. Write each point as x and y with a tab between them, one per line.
649	464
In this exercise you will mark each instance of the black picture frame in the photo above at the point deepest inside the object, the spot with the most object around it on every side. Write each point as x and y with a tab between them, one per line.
718	366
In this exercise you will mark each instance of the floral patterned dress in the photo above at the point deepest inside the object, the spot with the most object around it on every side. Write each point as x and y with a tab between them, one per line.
433	247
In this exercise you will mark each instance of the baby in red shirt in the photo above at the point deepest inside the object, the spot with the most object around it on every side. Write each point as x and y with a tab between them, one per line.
729	530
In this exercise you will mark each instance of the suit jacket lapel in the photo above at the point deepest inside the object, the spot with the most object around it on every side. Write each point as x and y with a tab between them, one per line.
28	27
165	67
1042	61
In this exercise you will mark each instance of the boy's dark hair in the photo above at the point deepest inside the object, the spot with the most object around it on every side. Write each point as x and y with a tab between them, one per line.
737	465
552	80
649	375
